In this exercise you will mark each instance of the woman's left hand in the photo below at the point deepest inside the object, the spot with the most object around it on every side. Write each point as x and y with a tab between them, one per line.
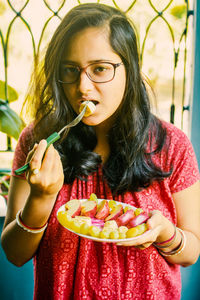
157	224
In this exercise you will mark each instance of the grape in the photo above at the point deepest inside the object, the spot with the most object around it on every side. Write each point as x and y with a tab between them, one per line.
94	231
114	234
132	232
122	235
75	226
84	229
142	228
104	234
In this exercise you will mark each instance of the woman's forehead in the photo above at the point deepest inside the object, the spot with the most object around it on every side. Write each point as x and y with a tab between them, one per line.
89	45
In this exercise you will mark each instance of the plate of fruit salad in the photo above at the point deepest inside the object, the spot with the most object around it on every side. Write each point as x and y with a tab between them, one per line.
103	220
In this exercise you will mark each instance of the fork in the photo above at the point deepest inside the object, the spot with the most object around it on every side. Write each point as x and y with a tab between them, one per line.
56	136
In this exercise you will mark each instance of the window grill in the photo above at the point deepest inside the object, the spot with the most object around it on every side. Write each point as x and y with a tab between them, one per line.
151	20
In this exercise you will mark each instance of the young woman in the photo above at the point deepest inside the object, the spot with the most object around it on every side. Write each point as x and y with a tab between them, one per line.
120	152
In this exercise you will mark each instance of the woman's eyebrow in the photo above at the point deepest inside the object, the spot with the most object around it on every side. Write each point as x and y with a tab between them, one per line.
89	62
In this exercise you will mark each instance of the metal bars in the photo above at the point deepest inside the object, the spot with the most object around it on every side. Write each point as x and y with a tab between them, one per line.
158	14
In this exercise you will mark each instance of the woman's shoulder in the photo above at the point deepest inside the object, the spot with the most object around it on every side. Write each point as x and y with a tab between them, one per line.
177	147
172	130
175	137
26	139
26	135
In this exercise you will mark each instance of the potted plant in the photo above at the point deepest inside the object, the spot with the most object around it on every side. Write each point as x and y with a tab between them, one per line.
10	124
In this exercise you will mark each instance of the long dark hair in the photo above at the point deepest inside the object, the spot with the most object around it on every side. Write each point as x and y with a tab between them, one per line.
130	165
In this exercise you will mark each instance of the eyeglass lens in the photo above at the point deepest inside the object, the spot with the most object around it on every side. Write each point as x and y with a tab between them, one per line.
98	72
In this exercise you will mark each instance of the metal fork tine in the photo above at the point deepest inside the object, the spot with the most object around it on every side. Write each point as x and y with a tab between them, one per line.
55	136
76	120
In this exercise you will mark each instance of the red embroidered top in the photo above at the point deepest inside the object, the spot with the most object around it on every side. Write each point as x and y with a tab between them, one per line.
69	267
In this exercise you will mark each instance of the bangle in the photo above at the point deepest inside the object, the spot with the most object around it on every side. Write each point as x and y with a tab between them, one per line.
169	242
179	248
27	228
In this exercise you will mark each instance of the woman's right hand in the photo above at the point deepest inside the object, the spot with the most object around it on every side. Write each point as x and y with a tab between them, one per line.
35	198
49	180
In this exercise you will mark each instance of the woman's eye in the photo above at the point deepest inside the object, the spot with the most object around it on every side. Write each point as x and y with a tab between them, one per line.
100	69
70	70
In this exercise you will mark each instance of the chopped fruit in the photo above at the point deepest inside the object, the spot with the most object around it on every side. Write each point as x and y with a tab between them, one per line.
94	231
83	219
112	204
78	221
141	218
114	234
93	197
89	208
127	208
122	235
105	219
64	218
104	234
75	226
84	229
122	232
138	211
111	225
90	108
116	212
142	228
103	210
123	229
125	218
73	207
96	222
132	232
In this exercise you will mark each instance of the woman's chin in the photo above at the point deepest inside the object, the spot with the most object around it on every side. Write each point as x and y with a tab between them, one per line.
88	121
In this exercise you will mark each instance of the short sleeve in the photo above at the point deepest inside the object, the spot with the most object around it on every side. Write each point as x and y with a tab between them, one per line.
183	161
23	147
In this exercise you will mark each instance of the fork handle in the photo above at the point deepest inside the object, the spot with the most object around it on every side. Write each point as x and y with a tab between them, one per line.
50	140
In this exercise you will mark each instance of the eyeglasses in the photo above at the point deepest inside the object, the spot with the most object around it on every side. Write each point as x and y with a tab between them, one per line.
97	72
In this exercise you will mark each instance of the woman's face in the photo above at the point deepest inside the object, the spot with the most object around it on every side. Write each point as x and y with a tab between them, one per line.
88	46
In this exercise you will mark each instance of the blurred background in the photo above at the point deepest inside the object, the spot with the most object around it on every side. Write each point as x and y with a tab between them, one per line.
169	38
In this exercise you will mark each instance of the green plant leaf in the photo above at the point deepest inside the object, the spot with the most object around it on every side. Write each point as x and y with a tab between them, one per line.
12	94
179	11
10	122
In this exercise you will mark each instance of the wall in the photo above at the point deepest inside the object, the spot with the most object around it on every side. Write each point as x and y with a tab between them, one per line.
15	283
191	275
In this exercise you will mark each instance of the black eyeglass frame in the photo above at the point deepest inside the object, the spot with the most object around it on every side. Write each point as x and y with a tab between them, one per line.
88	75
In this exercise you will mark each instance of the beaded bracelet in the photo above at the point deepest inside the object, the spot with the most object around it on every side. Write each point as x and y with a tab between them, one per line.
169	242
179	248
27	228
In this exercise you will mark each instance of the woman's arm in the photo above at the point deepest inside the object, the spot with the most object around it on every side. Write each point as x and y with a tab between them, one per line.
187	204
36	198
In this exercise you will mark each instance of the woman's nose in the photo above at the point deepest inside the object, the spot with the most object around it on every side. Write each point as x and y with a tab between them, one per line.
84	83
